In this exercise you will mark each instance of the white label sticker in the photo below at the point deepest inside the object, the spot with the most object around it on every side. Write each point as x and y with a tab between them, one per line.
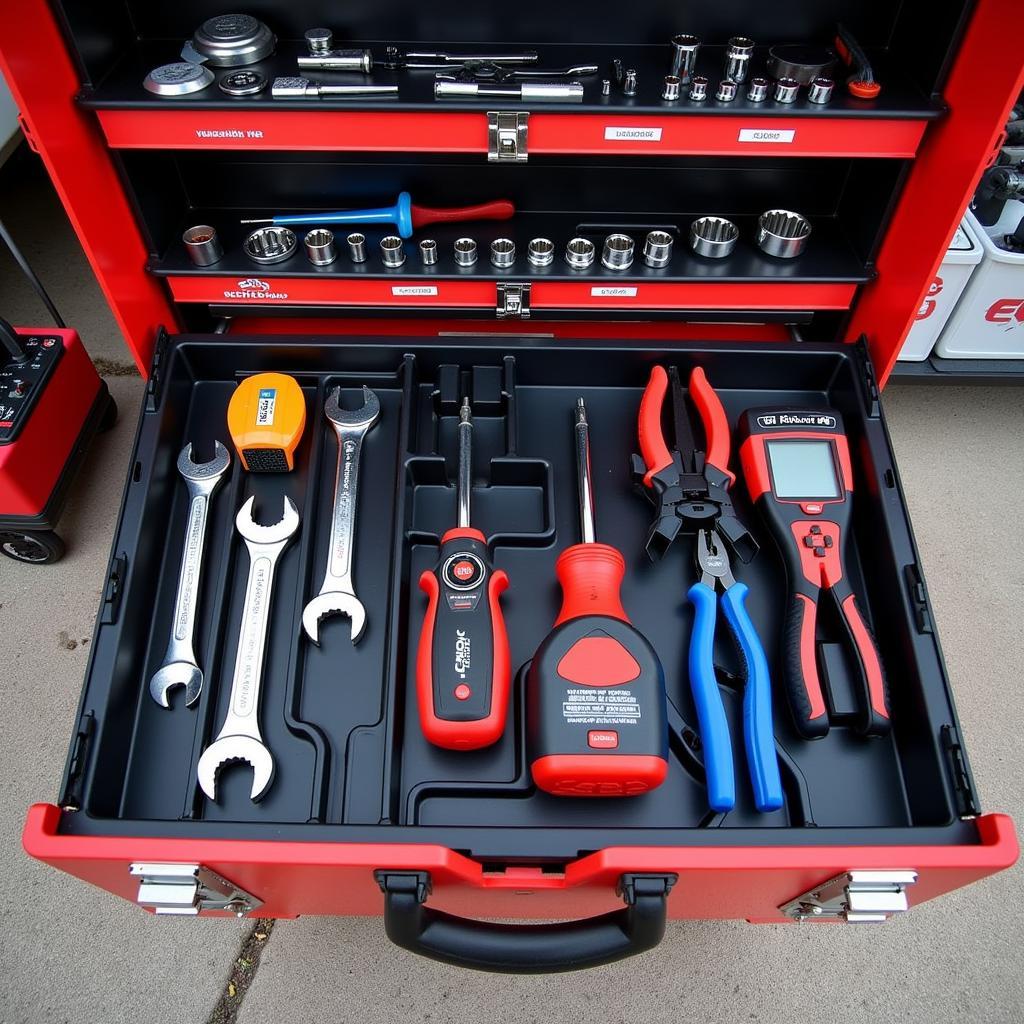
414	289
265	407
611	291
632	134
593	706
767	134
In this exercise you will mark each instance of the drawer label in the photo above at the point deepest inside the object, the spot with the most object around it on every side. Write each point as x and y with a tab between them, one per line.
767	134
220	134
255	289
265	407
624	134
606	291
414	289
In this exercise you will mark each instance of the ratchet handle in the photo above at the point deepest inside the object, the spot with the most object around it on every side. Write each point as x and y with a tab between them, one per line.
500	209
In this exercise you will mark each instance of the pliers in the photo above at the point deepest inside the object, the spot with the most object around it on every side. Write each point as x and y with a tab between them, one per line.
690	491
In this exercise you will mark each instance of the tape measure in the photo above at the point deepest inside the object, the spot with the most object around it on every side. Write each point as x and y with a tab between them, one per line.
266	416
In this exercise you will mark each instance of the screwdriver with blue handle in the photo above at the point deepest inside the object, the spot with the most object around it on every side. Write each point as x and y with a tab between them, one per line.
690	491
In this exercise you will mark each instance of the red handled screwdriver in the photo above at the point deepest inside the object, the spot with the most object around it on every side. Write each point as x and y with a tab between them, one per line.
462	666
596	708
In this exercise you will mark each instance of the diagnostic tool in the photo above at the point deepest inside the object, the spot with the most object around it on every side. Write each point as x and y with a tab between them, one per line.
796	463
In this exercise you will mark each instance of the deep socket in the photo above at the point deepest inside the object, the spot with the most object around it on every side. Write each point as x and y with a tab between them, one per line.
580	253
726	90
540	252
629	83
428	252
320	247
357	247
202	245
698	88
737	58
684	56
503	252
617	253
672	87
465	252
392	252
658	248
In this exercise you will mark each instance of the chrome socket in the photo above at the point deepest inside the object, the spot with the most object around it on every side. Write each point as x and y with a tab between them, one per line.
758	91
541	252
737	58
684	56
786	90
698	88
319	40
606	87
727	90
658	248
392	251
428	252
580	253
617	253
202	245
270	244
503	252
672	88
465	252
356	247
820	90
320	247
782	233
629	82
714	237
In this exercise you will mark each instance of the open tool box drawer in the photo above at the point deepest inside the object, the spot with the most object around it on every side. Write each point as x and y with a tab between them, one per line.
361	802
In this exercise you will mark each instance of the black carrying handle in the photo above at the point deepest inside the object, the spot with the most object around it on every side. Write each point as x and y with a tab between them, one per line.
525	949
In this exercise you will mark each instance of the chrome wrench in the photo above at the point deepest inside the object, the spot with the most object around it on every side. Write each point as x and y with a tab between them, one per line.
337	594
179	666
239	738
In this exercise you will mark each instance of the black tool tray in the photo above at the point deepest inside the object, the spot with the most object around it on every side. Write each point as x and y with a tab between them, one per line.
341	720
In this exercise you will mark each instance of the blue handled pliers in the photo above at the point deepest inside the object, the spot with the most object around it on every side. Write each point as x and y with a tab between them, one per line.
758	732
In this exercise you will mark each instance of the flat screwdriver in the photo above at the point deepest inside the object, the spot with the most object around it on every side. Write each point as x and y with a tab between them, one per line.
462	665
596	710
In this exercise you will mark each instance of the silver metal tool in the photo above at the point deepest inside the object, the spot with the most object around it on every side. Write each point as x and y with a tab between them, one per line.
713	236
464	480
320	247
584	484
671	89
230	41
202	245
243	83
356	243
435	59
337	60
698	88
319	40
465	251
727	89
606	87
802	62
575	71
758	90
270	244
526	92
289	87
617	253
179	666
658	248
580	253
820	90
618	72
337	593
782	233
786	90
738	53
392	251
428	252
239	738
540	252
629	82
503	252
684	56
180	79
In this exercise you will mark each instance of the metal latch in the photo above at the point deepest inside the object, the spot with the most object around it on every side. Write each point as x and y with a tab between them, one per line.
506	136
513	301
857	897
189	889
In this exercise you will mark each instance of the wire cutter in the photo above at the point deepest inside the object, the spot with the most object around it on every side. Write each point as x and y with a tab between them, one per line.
690	491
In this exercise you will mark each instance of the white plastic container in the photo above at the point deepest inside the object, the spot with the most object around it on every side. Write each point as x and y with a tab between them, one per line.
962	256
988	323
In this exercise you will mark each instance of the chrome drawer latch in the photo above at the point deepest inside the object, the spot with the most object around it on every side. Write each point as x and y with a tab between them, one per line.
513	301
506	136
188	890
857	897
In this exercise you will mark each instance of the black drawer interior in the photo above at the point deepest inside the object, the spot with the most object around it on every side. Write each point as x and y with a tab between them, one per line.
341	720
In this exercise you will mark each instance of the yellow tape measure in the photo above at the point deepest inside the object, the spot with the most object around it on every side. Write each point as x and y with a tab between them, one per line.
266	417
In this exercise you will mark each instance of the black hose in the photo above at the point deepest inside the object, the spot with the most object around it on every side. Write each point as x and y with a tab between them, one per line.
31	275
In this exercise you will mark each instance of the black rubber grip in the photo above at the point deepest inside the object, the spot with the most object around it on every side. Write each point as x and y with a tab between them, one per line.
797	686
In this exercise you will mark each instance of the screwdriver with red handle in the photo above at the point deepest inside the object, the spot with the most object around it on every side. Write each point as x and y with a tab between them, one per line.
596	711
462	665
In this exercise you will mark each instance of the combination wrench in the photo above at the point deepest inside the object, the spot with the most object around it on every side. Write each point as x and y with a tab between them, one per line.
337	594
239	738
179	666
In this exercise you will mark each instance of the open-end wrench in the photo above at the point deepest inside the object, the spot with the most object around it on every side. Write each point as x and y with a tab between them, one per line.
337	595
239	738
179	666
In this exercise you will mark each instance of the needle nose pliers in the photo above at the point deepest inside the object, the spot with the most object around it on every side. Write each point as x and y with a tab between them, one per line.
690	491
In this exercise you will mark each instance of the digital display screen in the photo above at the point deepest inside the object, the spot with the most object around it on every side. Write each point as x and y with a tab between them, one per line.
803	469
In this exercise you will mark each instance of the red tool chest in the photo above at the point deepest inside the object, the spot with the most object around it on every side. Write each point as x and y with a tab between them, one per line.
364	816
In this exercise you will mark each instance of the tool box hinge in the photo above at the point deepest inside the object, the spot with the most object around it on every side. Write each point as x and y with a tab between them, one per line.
416	882
871	394
968	805
114	589
919	598
632	885
188	890
856	897
154	386
71	796
513	301
506	136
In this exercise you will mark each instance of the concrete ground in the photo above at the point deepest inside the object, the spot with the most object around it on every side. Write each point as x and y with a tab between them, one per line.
69	952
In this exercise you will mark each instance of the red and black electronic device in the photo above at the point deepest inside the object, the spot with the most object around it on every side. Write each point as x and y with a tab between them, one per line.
796	463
